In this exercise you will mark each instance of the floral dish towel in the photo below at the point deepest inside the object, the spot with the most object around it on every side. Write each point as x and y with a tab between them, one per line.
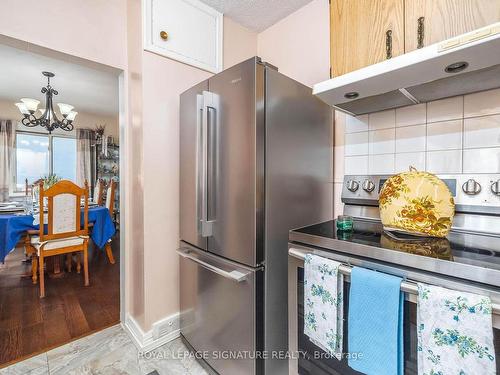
455	333
323	303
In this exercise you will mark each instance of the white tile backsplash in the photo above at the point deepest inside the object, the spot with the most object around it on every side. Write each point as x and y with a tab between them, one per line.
444	162
411	115
410	159
382	120
338	163
356	164
482	132
381	164
382	141
454	135
482	103
338	206
356	144
356	124
446	135
482	160
410	138
445	109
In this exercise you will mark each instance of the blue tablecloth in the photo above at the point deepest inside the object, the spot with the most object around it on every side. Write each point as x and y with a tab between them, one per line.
12	227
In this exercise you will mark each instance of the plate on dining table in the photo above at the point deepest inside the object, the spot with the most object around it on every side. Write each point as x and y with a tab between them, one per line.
3	204
11	208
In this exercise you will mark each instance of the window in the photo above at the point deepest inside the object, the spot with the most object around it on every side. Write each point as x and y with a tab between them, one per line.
64	157
38	155
32	158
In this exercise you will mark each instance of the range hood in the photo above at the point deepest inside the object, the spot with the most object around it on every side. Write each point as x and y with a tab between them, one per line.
461	65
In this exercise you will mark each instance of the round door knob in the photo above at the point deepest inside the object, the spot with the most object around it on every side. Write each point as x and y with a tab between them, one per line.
471	187
368	186
495	187
164	35
352	185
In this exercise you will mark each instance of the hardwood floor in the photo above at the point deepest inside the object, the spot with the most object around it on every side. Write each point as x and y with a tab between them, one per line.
29	325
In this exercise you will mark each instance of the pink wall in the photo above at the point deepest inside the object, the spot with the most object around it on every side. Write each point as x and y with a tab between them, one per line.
91	29
299	45
164	80
239	43
132	164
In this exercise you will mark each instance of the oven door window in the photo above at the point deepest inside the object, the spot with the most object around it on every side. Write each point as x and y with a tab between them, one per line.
317	362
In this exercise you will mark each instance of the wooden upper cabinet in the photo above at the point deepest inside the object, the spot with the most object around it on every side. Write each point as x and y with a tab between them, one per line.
358	32
444	19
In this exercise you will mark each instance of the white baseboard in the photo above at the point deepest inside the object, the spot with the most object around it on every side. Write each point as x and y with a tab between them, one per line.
162	331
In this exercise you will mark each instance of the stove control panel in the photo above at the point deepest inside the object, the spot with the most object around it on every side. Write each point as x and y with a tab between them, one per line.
472	192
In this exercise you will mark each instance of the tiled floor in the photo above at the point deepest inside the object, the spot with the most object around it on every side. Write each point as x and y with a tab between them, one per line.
110	351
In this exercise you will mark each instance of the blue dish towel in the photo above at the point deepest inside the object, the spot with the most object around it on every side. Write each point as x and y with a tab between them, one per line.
375	323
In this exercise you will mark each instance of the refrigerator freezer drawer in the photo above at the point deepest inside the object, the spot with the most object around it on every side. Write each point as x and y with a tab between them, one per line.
218	310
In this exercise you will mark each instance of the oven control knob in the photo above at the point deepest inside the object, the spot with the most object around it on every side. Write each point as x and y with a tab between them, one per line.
495	187
368	186
471	187
352	185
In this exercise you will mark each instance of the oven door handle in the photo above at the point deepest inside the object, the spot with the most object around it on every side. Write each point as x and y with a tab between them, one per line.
234	275
406	286
296	253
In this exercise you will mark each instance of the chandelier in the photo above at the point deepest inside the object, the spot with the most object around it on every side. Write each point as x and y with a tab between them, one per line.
48	118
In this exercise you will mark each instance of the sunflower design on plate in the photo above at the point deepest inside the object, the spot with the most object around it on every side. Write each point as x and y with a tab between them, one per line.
417	203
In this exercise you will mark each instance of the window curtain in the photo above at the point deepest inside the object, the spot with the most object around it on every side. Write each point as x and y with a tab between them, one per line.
7	136
84	140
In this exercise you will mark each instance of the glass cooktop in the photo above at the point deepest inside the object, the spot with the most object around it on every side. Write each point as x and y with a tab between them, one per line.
472	249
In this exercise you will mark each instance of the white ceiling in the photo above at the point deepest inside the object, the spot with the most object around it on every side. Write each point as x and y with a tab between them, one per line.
87	89
256	15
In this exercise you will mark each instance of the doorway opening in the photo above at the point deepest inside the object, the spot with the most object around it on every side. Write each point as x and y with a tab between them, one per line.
33	318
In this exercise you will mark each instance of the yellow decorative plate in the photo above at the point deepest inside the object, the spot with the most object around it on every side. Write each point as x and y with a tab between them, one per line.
417	203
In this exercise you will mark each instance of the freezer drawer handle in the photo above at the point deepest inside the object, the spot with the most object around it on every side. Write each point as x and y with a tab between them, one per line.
234	275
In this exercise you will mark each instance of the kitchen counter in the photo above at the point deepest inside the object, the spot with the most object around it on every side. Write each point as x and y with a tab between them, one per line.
475	258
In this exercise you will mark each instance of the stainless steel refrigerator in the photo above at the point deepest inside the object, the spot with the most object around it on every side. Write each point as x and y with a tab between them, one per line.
255	162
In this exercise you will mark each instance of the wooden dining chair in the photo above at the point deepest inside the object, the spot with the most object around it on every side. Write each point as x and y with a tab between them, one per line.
98	192
29	250
110	205
64	232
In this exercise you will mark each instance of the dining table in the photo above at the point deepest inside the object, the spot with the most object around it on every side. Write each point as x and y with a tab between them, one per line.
14	226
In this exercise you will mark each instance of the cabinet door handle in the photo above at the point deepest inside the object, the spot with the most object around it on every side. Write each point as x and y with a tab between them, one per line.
388	44
420	32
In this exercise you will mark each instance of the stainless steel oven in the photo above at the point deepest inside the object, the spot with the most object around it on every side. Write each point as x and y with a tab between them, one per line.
312	360
468	259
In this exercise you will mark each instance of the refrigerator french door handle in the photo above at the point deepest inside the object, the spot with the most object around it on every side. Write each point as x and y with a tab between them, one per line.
234	275
208	105
212	155
200	187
